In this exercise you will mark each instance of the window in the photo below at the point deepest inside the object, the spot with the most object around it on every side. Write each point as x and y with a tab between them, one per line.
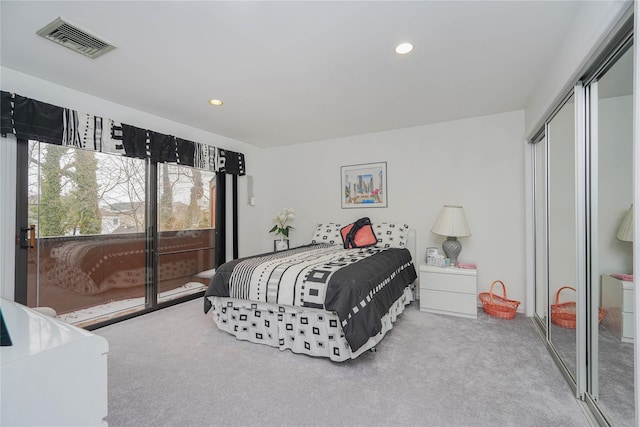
94	256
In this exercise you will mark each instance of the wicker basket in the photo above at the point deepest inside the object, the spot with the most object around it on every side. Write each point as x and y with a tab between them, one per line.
564	314
498	306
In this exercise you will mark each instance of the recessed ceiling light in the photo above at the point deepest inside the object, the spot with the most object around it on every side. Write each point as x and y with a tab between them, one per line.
215	102
403	48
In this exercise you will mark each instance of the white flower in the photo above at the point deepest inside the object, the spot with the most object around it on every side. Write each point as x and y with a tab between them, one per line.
281	220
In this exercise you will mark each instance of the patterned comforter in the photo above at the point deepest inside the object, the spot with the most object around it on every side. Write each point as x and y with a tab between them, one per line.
360	285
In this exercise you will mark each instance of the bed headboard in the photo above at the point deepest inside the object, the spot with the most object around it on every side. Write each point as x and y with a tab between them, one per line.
329	232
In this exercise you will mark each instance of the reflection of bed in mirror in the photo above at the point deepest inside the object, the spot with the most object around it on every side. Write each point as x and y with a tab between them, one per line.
96	264
317	299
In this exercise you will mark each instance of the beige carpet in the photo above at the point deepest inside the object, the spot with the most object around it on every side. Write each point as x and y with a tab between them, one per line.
175	368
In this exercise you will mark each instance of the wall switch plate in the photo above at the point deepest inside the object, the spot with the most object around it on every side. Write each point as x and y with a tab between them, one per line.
251	200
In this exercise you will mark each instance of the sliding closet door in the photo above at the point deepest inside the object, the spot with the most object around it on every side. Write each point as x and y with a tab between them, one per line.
583	201
562	228
540	231
612	349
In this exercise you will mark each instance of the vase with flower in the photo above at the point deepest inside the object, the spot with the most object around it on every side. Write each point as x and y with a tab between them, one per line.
282	228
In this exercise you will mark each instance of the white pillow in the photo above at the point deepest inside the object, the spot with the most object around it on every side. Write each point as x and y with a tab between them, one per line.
329	232
391	235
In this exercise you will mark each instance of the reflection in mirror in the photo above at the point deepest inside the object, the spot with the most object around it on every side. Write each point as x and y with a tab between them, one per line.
612	384
562	227
540	224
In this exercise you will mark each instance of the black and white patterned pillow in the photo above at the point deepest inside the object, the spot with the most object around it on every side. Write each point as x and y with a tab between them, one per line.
328	232
391	235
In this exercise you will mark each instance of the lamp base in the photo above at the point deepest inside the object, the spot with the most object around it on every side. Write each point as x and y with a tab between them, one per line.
452	248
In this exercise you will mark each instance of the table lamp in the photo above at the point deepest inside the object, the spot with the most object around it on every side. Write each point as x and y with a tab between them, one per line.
451	223
625	230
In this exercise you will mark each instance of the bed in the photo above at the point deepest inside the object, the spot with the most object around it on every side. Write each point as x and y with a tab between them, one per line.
318	299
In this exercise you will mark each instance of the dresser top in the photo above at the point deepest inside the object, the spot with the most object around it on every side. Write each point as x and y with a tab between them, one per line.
33	333
448	270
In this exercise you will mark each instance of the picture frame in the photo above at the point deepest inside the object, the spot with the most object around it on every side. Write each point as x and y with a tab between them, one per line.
280	245
364	185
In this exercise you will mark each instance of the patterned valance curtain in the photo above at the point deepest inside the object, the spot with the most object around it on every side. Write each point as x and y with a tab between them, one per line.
31	119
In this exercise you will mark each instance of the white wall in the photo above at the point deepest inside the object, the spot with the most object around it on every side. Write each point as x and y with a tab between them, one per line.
7	215
477	163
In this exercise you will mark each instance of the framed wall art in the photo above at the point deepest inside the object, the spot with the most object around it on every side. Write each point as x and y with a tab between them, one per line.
280	245
364	186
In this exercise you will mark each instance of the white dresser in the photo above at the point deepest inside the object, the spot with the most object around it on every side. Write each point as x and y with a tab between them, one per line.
449	290
618	299
54	374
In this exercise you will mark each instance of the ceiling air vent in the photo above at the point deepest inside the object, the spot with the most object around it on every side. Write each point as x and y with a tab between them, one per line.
76	39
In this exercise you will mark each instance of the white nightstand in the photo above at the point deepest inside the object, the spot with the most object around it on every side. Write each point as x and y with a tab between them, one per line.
617	299
450	290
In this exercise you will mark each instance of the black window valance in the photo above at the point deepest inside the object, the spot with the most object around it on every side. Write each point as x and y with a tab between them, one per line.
31	119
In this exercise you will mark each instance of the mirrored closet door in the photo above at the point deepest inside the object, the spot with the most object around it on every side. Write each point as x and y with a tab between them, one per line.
540	230
561	224
611	376
582	205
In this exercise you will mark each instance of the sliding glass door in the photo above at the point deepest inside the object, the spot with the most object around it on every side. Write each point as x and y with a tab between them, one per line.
89	243
186	238
86	233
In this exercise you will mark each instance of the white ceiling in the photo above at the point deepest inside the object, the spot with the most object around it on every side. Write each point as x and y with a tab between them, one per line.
294	72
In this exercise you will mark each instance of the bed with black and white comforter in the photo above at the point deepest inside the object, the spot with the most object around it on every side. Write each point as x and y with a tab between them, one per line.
318	299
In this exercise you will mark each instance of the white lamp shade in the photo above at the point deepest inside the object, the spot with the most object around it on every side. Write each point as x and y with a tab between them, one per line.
451	222
625	231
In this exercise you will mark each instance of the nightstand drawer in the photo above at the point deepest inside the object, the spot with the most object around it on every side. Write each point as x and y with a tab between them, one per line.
451	291
448	283
627	327
627	299
453	303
